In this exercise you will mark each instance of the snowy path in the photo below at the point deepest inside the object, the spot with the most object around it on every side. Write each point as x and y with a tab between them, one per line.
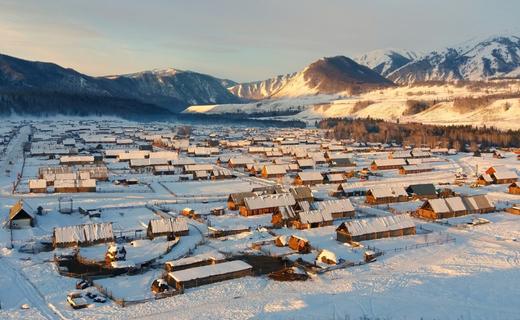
29	291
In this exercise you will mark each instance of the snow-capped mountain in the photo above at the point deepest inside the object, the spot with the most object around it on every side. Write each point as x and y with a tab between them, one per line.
495	57
331	75
259	90
385	61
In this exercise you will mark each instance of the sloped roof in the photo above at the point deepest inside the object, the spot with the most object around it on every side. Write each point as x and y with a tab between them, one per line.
380	224
310	176
269	201
335	206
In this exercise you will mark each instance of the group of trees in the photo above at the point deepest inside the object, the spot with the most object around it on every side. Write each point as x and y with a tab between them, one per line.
462	138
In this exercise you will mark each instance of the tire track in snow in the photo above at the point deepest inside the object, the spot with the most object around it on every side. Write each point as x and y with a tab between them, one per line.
29	291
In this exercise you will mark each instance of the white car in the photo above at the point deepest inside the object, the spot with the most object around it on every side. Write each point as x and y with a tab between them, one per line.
76	300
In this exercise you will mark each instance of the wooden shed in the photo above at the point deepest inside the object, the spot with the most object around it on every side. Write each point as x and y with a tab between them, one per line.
299	244
21	215
514	188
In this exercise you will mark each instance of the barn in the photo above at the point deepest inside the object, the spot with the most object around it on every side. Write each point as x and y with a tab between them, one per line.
375	228
198	276
21	215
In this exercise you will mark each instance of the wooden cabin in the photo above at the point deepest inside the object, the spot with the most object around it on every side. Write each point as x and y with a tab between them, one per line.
501	175
21	215
266	204
514	188
308	178
274	171
386	194
236	200
375	228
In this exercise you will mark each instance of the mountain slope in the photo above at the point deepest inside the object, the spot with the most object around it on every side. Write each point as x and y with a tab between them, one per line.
332	75
172	89
258	90
147	92
495	57
386	61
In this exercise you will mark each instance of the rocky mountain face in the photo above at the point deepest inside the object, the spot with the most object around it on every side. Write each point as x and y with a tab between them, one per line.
386	61
495	57
330	75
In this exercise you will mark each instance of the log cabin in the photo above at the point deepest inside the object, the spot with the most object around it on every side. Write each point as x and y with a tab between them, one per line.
375	228
266	204
308	178
386	194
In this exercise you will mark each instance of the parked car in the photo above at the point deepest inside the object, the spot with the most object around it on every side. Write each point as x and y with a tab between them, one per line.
100	299
83	284
76	300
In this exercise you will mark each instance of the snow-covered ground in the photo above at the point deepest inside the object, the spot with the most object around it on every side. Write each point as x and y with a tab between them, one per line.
391	104
445	271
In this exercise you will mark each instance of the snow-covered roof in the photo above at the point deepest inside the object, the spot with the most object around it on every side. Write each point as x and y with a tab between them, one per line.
335	206
380	224
83	233
275	169
37	184
310	176
168	225
388	191
217	256
270	201
209	270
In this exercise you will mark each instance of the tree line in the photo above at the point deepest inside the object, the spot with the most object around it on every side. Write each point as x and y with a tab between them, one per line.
459	137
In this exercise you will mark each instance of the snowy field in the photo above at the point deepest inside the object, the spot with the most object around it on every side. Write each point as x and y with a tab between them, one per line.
448	270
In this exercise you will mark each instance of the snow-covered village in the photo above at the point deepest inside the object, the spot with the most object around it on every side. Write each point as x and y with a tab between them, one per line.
122	219
279	160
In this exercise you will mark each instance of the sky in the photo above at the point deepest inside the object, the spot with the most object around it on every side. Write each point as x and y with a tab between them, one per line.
242	40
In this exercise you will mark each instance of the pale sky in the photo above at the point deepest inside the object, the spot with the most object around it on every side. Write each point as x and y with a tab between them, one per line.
242	40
